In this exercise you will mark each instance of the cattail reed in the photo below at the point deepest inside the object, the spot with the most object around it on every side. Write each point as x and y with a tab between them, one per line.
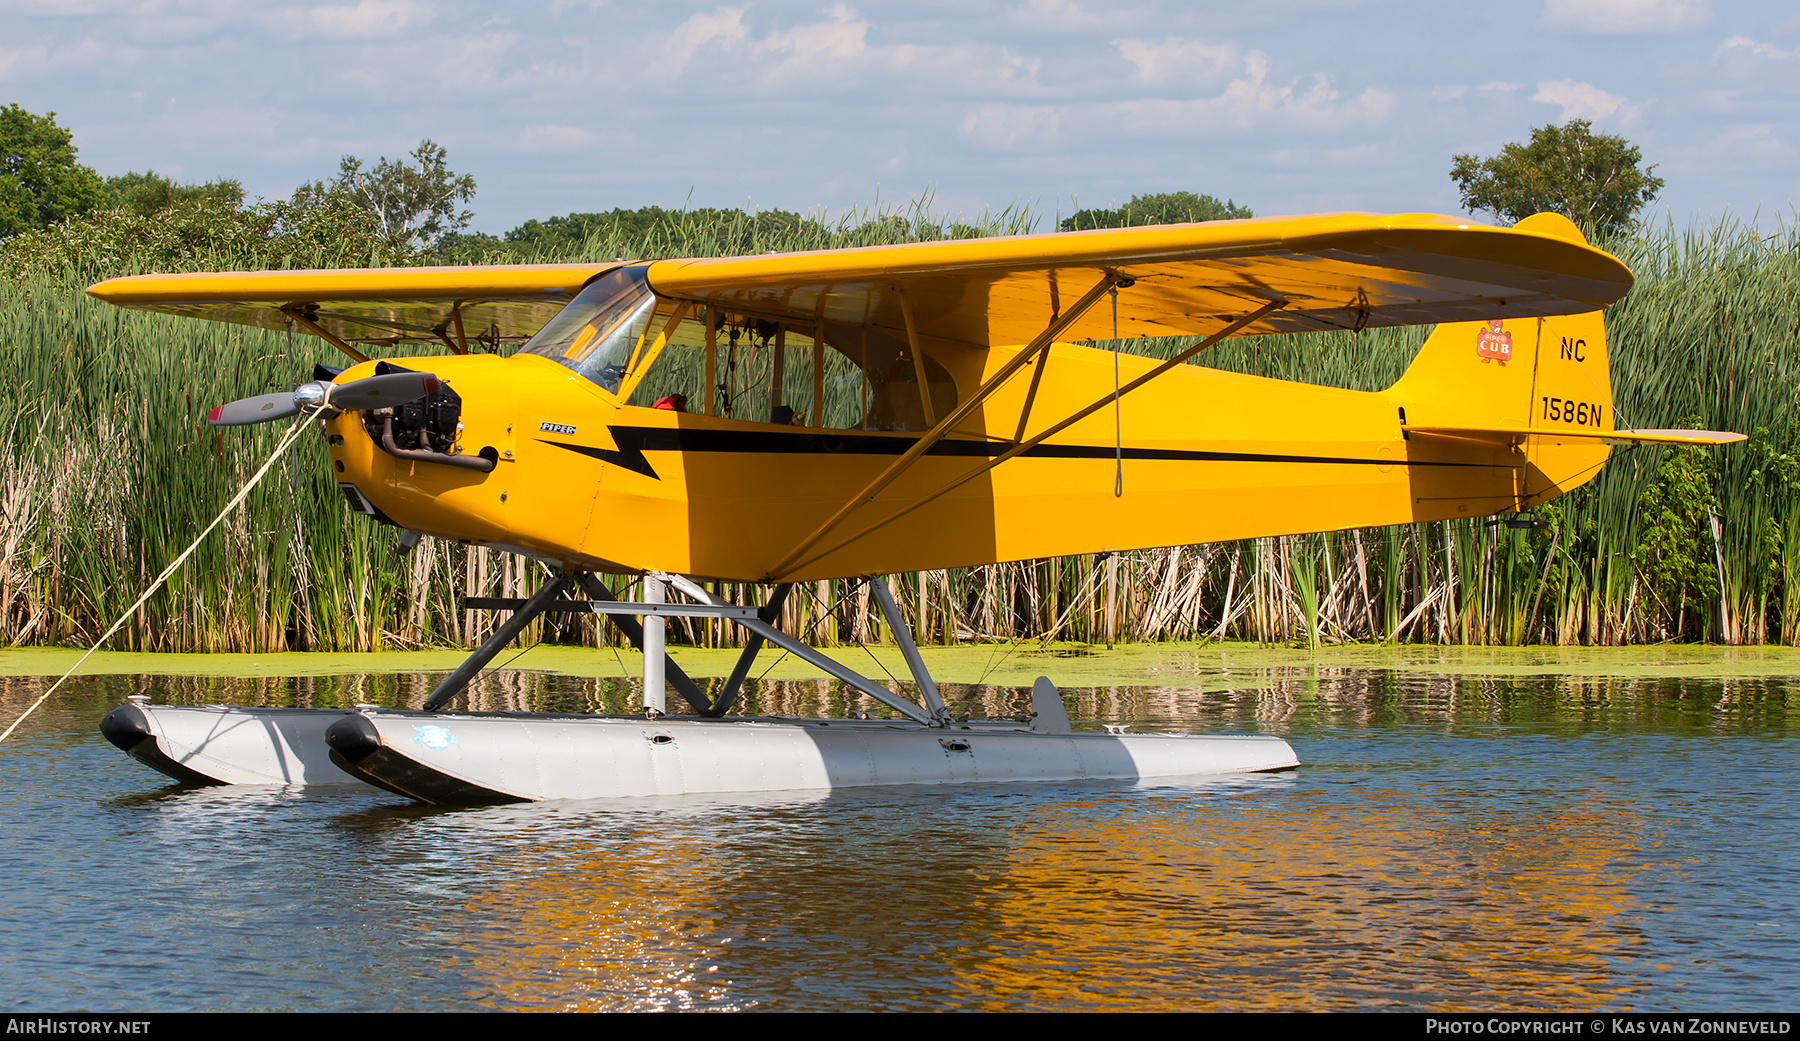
110	471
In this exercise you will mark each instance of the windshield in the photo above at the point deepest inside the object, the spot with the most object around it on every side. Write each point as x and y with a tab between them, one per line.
599	330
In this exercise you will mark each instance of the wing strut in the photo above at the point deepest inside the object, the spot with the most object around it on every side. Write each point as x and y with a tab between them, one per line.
957	415
1055	428
313	327
918	356
462	337
460	345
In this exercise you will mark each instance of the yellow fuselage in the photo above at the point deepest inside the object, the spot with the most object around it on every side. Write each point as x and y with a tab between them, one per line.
586	481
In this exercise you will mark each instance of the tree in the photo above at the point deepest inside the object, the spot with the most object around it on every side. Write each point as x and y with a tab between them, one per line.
148	192
644	232
208	229
413	203
1163	208
569	234
40	181
1592	179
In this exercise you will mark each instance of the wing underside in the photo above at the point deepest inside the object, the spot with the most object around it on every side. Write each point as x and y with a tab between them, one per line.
458	307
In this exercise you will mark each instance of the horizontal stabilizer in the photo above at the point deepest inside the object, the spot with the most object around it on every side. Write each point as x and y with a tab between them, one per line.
1611	437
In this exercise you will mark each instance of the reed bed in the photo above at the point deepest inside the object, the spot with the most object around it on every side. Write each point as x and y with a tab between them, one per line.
110	471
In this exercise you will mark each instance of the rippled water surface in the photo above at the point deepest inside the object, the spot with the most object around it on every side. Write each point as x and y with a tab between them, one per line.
1531	842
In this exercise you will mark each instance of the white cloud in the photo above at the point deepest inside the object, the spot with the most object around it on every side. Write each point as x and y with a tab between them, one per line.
553	138
1620	17
725	50
1005	127
77	7
816	46
725	24
1583	100
23	62
827	47
1748	153
1456	92
1176	59
1742	47
1251	102
34	61
359	21
1252	98
1055	14
1751	145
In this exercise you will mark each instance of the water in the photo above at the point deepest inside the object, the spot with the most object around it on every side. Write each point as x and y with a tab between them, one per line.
1528	842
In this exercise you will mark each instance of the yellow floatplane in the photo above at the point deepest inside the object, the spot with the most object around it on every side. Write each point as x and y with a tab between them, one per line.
850	413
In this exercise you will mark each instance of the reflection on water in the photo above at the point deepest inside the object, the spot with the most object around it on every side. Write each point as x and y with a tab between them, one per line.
1532	842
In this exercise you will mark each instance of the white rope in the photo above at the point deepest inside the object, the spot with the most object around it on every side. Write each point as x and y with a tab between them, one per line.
287	440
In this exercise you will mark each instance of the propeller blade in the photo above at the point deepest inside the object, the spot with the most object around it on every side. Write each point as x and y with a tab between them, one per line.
260	409
396	388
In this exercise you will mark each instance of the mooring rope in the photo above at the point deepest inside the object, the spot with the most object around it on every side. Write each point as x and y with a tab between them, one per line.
287	441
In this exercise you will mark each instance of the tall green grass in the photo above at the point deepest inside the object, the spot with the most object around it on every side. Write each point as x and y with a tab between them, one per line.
109	471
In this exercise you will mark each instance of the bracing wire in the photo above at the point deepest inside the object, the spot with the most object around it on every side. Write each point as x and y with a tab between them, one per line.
285	443
1118	427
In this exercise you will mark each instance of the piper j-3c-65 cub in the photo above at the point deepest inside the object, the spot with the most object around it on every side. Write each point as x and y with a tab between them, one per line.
861	412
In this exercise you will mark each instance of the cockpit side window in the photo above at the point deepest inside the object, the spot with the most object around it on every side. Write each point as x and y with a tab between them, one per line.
669	371
886	392
826	375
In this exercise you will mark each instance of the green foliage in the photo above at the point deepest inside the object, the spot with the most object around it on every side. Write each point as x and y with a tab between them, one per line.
1162	208
146	193
1592	179
563	234
473	247
1674	552
652	231
570	236
414	203
40	181
1708	332
207	231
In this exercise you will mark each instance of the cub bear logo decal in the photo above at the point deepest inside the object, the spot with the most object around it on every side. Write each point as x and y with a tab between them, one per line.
1493	345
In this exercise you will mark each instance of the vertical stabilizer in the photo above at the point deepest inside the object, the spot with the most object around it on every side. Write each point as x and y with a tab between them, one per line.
1540	385
1522	373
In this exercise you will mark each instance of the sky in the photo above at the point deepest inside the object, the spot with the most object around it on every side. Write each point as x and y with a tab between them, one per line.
559	106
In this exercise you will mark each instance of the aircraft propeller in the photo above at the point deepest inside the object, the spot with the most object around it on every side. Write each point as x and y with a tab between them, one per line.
371	392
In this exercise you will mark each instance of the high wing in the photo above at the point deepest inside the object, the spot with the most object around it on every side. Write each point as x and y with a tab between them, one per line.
1338	271
454	306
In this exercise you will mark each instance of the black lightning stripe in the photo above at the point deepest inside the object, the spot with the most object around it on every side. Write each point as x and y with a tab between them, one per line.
633	442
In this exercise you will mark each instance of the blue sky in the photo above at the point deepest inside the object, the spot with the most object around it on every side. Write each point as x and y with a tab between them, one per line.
1288	106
